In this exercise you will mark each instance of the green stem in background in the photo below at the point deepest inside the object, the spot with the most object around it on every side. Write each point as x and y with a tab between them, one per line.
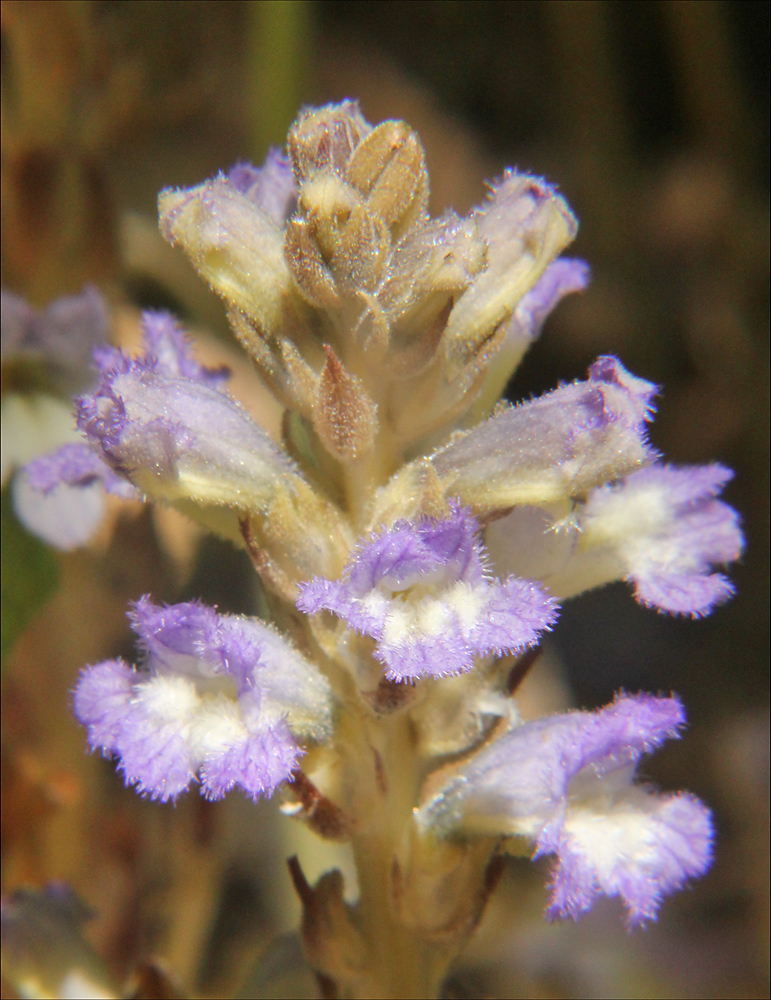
280	47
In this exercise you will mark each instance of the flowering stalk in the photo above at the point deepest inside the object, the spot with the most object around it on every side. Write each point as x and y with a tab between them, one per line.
415	537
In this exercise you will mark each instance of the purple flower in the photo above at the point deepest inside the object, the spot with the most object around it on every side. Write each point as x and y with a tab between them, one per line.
218	697
46	357
661	528
60	496
525	224
555	447
566	783
422	591
161	421
667	530
60	338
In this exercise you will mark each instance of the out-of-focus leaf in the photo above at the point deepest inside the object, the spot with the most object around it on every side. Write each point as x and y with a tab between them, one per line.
29	576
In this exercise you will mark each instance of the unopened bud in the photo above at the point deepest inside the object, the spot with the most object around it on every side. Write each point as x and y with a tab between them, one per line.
389	168
325	138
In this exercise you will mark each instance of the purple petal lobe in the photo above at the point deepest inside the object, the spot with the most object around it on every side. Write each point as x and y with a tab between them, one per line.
555	447
566	783
168	350
651	846
75	465
101	701
421	591
65	517
271	187
258	763
667	531
564	276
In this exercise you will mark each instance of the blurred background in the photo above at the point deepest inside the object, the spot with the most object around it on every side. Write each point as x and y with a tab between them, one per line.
653	120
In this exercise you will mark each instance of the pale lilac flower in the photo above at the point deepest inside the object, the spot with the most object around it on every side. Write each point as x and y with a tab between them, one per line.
219	698
58	339
554	447
46	356
668	530
387	337
662	529
162	422
61	496
423	592
566	783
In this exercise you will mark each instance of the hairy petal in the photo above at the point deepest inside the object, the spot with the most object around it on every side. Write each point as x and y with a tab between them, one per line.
102	698
646	847
422	552
421	591
194	639
168	349
218	697
555	447
566	784
75	465
661	528
177	438
668	530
